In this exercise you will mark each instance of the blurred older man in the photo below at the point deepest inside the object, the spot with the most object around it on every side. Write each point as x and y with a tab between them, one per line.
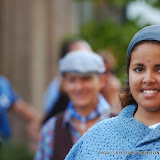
82	74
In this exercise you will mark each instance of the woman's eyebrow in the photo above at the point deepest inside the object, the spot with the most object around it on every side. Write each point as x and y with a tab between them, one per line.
138	64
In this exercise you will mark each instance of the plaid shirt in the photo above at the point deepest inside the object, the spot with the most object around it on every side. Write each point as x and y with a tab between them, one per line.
46	149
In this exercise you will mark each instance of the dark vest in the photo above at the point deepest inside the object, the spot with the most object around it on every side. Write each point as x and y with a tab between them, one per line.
63	140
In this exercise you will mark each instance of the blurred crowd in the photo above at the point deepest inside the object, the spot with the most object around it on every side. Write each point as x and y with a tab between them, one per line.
83	93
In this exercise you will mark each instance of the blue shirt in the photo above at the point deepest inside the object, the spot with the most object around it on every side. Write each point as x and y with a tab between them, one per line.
7	98
46	144
118	138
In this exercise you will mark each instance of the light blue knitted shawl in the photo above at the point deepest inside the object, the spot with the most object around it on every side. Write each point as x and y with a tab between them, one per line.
122	137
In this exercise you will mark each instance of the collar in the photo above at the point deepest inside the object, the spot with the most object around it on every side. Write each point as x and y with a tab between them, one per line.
102	110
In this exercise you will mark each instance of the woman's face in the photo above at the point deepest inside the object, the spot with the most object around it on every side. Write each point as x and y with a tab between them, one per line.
144	76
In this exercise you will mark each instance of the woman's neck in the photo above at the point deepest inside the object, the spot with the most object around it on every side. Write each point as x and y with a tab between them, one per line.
147	117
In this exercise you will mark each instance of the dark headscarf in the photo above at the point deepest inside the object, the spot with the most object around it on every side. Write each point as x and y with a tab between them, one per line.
146	34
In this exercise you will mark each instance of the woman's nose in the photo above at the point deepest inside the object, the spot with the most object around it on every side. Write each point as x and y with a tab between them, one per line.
149	77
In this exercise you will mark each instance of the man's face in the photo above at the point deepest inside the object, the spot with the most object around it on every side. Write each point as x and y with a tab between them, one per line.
82	90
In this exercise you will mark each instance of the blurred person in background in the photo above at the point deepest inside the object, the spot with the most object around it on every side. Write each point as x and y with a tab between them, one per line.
10	101
56	99
112	86
82	79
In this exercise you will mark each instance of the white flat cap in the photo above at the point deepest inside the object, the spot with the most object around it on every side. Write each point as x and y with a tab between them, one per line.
82	62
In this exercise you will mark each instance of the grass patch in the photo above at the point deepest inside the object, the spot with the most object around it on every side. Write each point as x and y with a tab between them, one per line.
15	152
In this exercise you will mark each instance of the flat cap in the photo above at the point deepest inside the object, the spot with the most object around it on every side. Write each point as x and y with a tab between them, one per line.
82	62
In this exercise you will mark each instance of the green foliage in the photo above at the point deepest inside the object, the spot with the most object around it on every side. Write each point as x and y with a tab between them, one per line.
15	152
111	35
154	3
118	2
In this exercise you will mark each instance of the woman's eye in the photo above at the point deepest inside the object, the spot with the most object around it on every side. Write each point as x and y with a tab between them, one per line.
138	69
159	70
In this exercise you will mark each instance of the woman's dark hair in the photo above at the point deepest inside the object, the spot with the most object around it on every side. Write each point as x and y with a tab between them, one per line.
125	96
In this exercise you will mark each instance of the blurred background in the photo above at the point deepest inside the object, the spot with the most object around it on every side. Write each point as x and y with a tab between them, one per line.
31	33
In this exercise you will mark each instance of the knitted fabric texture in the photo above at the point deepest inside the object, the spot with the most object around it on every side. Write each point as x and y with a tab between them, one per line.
122	137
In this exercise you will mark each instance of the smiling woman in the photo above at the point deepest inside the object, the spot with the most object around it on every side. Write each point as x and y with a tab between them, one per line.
136	129
144	80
